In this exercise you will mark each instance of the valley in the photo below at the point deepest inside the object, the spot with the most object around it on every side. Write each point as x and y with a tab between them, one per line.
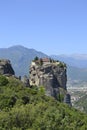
78	96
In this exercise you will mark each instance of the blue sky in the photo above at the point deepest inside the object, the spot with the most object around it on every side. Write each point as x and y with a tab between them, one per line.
50	26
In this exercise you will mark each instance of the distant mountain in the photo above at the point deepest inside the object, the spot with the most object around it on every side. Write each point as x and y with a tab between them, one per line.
76	65
75	60
75	73
20	57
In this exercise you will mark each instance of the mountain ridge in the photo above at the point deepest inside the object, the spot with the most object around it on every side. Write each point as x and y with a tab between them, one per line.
21	58
76	60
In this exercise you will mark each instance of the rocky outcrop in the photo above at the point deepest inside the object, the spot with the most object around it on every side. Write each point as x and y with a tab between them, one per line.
49	74
25	80
6	67
67	99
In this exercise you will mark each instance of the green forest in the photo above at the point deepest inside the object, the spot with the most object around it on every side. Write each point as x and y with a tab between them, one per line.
28	108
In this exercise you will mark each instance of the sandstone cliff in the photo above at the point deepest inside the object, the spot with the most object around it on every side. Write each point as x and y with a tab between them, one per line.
49	74
6	67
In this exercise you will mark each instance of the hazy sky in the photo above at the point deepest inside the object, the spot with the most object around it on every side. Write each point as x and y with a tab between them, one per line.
50	26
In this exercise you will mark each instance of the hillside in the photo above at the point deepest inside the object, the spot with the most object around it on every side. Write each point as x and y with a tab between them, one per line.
81	103
27	108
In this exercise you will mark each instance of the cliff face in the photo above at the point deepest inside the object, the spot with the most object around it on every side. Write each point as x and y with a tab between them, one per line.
5	67
50	74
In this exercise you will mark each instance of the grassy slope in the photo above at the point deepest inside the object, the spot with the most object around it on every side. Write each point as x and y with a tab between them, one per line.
29	109
82	103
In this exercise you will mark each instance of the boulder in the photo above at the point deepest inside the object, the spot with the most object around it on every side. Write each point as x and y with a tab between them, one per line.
6	67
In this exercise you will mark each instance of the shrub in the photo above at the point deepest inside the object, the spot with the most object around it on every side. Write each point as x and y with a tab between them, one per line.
36	58
3	80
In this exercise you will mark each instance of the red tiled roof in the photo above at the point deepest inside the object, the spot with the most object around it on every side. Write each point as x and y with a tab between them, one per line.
45	59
